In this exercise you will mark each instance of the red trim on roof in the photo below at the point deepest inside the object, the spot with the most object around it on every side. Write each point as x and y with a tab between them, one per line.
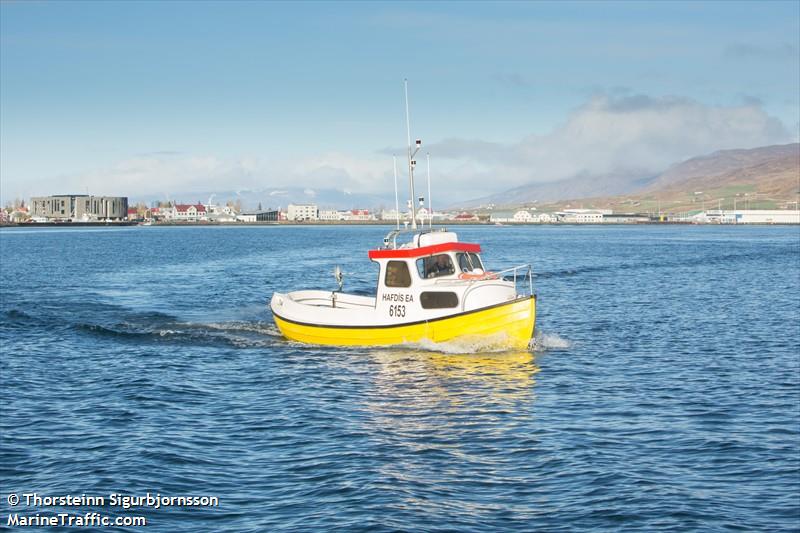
425	250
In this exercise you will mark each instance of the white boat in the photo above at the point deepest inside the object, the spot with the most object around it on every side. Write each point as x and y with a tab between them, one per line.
430	287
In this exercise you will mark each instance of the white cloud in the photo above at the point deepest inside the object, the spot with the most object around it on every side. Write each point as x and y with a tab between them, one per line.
171	174
617	134
609	133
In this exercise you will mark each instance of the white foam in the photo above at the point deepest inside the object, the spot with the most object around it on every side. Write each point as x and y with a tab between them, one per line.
550	341
253	327
465	345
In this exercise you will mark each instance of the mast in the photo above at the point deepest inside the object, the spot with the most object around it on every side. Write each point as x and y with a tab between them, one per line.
411	162
396	200
430	202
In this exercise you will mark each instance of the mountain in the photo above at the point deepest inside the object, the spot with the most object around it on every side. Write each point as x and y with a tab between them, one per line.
730	166
580	186
770	173
759	178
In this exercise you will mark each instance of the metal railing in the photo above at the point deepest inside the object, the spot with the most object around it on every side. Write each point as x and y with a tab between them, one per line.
515	274
390	241
515	277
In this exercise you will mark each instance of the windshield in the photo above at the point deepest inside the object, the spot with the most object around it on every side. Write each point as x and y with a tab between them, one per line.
469	262
435	266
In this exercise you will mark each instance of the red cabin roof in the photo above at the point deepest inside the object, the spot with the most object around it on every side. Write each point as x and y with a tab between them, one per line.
424	251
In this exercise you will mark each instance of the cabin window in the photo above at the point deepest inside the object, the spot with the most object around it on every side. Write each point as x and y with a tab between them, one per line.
435	266
469	262
397	274
438	300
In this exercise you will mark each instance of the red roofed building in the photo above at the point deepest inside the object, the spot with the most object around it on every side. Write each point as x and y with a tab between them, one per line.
189	212
465	216
360	214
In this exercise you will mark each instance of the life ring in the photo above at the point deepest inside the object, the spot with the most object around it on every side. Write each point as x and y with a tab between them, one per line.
470	276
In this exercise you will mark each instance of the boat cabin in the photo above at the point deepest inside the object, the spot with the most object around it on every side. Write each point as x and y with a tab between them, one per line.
434	271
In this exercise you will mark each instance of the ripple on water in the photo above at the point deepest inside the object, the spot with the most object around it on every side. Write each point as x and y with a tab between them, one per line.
660	392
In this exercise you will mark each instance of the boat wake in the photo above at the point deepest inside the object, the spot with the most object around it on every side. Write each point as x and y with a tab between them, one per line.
125	326
549	341
263	328
159	328
465	345
185	333
542	342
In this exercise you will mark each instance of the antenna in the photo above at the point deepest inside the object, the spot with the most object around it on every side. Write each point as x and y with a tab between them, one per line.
411	162
430	203
396	200
338	275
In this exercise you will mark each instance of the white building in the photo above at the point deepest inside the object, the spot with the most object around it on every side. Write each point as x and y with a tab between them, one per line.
583	216
297	212
329	215
523	216
186	212
545	218
222	217
626	218
360	215
589	218
749	216
501	216
391	214
214	209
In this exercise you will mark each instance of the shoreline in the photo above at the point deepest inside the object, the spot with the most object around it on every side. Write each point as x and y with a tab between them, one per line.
126	223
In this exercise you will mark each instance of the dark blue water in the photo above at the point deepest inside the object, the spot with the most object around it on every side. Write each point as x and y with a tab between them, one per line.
663	394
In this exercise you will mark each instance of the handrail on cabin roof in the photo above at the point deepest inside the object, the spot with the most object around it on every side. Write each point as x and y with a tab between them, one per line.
391	237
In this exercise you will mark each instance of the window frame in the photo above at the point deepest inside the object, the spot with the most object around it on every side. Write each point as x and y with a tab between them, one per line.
460	255
424	294
386	274
431	258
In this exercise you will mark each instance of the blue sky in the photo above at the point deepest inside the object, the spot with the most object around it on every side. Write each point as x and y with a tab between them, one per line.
167	98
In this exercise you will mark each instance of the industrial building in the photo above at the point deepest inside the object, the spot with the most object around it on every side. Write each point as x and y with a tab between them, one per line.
626	218
748	216
268	215
582	216
79	207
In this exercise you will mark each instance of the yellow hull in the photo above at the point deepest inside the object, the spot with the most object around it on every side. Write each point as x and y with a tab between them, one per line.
510	324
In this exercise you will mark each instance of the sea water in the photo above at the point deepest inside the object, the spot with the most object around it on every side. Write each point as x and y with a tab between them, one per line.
662	391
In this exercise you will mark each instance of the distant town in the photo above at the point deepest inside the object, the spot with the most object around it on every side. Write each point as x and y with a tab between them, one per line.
116	210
